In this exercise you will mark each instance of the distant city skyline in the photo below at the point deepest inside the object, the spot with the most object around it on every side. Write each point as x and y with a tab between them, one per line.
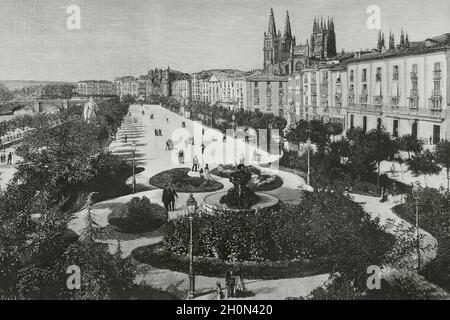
127	37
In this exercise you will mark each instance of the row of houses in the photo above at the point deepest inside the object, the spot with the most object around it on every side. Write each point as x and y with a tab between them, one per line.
407	90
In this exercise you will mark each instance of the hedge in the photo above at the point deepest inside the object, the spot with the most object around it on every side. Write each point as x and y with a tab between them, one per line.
158	257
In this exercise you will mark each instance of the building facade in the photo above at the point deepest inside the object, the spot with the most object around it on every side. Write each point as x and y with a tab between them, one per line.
181	89
403	88
96	88
267	93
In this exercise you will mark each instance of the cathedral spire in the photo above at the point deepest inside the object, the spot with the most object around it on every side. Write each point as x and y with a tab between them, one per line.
407	40
402	38
287	27
315	24
272	29
332	25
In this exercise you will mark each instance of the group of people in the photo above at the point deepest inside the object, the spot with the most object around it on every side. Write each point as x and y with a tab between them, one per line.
256	156
204	173
234	285
3	158
158	132
168	197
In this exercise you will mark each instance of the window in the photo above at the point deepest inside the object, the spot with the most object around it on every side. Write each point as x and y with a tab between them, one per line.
395	73
352	121
395	129
379	123
378	75
414	129
364	75
352	76
436	134
256	84
364	124
280	84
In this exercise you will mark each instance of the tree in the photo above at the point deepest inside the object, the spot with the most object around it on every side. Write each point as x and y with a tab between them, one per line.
424	164
382	148
409	143
442	154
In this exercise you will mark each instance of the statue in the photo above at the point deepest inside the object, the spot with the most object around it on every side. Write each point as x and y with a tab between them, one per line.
90	110
290	114
240	196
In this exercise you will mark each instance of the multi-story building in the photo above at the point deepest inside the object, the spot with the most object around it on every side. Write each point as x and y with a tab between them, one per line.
96	88
181	89
406	90
267	93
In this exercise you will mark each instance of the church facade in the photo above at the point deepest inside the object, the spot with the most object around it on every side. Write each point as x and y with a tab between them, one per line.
282	54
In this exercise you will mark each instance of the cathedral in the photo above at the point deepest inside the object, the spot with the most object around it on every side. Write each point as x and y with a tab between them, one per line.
282	55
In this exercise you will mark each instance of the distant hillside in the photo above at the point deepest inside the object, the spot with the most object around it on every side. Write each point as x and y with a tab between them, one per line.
19	84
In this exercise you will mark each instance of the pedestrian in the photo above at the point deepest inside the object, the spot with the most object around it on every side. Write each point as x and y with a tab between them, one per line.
203	131
219	292
126	139
207	175
192	140
181	156
195	164
203	148
167	145
230	283
151	117
201	173
167	120
172	195
143	112
166	198
160	132
9	159
240	287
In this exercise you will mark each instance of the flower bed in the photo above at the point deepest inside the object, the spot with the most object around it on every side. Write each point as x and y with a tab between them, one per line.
158	257
184	183
258	182
138	216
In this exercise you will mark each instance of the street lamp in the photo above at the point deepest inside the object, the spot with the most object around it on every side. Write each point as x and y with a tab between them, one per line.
308	181
191	206
416	195
134	146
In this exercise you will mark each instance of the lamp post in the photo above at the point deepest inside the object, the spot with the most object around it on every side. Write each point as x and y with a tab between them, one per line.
416	195
191	206
308	180
233	117
134	146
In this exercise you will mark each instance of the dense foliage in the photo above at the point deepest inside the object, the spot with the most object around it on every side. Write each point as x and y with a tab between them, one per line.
323	225
434	210
184	183
139	216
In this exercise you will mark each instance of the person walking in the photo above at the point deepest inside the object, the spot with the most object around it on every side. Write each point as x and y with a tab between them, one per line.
167	145
172	196
195	164
203	148
9	159
181	156
239	287
207	175
230	283
166	198
201	173
126	138
219	293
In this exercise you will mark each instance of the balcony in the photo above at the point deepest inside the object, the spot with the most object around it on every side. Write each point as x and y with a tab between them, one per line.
395	102
436	94
378	100
414	104
363	97
437	75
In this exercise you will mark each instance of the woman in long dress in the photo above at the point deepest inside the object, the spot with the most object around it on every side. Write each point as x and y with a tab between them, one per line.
207	175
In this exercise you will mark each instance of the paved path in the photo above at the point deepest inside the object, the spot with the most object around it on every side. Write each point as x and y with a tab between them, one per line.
151	156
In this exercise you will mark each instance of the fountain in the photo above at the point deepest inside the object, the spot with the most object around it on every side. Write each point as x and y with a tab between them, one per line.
239	198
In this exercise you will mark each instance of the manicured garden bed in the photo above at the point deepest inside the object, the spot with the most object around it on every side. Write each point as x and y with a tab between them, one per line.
159	257
184	183
138	216
258	182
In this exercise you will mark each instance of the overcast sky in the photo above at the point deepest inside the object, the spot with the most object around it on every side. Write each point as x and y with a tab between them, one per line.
125	37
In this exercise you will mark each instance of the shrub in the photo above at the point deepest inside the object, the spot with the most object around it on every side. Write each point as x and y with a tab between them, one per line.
226	170
265	183
159	257
139	216
184	183
324	224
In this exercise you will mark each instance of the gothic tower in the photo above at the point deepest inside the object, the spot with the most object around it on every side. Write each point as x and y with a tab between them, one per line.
323	39
271	43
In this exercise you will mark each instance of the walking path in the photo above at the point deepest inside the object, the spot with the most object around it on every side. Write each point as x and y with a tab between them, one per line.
152	156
